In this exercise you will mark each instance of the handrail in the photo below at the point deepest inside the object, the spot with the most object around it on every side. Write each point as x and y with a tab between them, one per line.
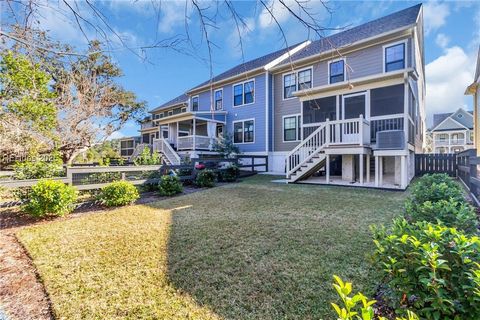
167	151
305	150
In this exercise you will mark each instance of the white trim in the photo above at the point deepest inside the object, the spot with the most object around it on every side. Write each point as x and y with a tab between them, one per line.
362	93
267	120
296	115
215	100
191	103
243	93
391	44
286	55
297	83
387	116
344	69
243	132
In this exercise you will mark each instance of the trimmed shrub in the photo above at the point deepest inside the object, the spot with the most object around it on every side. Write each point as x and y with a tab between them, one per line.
118	193
170	185
146	157
50	197
433	188
430	269
38	169
451	213
230	174
205	179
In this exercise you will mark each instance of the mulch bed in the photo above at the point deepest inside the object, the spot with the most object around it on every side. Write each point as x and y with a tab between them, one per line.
22	296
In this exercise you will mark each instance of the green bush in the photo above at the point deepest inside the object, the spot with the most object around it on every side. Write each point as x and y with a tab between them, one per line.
118	193
170	185
433	188
205	178
38	169
430	269
452	213
147	158
230	174
50	197
357	306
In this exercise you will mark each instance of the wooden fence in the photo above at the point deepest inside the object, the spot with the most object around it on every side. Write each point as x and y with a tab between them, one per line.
89	177
436	163
469	172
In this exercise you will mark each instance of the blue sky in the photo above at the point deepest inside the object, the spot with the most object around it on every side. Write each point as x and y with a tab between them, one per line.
452	31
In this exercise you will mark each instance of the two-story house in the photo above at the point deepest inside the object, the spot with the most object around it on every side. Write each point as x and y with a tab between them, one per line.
474	90
340	110
452	132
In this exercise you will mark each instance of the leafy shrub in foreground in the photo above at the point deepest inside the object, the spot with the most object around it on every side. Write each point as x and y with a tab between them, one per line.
451	213
357	306
38	169
118	193
205	178
170	185
50	197
430	269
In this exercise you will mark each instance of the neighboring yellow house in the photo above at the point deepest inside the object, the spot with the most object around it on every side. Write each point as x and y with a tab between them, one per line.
474	90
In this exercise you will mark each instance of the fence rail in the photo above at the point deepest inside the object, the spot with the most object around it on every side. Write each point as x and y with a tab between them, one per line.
436	163
95	177
469	172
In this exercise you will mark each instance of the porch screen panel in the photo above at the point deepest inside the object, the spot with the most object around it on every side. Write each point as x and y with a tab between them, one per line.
354	107
386	100
319	110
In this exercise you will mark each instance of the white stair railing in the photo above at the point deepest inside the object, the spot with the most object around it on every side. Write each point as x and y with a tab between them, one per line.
308	148
163	146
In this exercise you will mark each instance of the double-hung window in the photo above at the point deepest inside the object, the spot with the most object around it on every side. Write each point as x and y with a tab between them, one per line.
219	99
195	103
337	71
395	57
289	85
243	93
291	128
243	131
296	81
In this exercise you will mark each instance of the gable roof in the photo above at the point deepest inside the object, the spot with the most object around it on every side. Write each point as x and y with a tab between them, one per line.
460	119
391	22
183	98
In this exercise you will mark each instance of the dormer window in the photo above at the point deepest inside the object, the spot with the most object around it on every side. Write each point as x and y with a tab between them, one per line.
195	103
395	57
337	71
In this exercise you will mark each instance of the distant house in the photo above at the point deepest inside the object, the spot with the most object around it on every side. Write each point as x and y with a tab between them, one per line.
345	109
452	132
474	90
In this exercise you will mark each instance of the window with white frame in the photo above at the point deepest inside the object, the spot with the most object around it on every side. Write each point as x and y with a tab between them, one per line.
337	71
243	131
195	103
243	93
395	57
296	81
291	128
218	99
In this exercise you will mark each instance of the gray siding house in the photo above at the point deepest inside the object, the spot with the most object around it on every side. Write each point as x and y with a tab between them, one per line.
346	109
452	132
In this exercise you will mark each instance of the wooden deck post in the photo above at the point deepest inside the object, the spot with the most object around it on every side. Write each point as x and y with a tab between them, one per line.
361	168
327	168
194	133
403	172
377	167
368	168
380	170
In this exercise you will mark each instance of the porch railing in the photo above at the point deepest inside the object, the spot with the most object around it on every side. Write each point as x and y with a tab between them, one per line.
163	146
351	131
194	142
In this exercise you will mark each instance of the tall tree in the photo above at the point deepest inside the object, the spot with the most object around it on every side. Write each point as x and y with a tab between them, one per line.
92	105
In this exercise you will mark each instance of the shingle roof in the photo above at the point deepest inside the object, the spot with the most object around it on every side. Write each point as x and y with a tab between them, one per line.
465	121
370	29
183	98
248	66
439	117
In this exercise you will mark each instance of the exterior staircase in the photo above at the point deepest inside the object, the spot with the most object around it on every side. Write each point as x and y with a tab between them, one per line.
137	151
170	156
308	157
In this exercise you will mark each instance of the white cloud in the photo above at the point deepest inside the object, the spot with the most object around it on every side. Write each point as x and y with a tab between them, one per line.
242	33
173	15
447	77
278	10
435	15
116	135
442	40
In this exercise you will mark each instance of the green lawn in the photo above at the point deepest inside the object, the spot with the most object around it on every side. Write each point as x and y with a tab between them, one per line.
254	250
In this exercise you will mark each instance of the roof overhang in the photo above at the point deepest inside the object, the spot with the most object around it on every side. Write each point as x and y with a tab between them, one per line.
163	108
332	53
354	84
216	84
192	115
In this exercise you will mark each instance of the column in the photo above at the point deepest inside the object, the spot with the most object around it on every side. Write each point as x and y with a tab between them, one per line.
368	168
327	168
361	168
194	133
403	171
380	170
377	176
